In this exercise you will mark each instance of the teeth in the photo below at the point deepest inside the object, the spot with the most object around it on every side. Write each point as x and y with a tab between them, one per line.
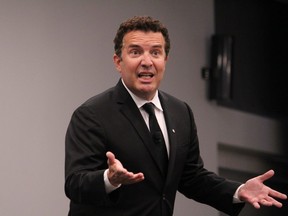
146	75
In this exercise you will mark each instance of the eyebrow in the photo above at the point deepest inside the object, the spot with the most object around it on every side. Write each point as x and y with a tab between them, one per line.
133	46
137	46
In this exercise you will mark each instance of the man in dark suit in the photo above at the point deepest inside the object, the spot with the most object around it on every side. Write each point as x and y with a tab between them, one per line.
112	164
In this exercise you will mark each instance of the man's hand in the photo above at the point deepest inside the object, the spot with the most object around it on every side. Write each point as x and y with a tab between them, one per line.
256	193
117	174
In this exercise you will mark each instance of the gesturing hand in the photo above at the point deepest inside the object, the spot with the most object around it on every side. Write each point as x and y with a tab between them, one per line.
256	193
117	174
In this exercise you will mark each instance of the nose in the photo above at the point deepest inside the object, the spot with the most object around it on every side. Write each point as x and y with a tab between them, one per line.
146	60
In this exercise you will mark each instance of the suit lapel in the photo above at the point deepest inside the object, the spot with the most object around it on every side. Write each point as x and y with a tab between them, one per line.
169	119
129	109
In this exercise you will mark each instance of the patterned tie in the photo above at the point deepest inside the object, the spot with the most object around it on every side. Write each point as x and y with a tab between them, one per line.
157	136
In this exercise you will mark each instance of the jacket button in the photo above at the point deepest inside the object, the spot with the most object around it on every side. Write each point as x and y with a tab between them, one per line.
163	197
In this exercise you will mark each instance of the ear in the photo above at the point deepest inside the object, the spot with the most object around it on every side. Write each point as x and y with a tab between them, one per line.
166	58
117	60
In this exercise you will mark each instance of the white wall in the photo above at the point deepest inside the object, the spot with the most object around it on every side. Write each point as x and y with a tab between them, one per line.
54	54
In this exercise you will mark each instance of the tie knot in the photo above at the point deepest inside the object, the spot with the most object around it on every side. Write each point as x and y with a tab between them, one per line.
149	108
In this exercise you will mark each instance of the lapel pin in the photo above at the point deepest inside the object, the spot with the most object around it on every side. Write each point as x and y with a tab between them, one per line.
173	130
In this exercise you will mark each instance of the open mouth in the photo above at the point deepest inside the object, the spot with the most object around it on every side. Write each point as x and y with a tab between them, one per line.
145	75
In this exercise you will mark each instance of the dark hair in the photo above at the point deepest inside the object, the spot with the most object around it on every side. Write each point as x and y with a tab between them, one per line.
142	23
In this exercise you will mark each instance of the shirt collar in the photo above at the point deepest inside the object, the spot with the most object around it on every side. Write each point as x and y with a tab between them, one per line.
140	102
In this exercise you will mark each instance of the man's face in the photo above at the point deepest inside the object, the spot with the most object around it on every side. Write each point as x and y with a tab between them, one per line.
142	63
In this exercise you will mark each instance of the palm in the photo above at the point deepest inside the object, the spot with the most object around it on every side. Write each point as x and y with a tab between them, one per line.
256	193
118	175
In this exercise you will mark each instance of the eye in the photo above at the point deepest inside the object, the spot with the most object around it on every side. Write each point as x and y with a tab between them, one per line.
134	52
156	52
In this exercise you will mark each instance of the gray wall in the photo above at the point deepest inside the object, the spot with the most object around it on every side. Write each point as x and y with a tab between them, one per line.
54	54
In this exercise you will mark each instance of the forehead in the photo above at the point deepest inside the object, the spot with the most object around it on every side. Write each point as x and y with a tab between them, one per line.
142	38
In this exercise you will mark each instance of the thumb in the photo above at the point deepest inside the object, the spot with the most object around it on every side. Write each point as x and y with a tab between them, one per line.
266	175
111	158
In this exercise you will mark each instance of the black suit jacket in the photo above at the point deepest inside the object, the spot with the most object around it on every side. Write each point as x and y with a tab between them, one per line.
112	122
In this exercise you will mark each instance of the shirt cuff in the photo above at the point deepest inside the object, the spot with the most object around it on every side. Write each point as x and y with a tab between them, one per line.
108	186
236	195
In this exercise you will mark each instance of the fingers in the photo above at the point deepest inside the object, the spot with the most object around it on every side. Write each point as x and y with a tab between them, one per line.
267	202
130	178
274	203
276	194
124	177
256	205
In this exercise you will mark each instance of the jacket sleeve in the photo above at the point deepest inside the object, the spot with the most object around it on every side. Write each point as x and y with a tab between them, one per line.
85	160
202	185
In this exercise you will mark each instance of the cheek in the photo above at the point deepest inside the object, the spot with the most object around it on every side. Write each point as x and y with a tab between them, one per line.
130	66
161	68
128	72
